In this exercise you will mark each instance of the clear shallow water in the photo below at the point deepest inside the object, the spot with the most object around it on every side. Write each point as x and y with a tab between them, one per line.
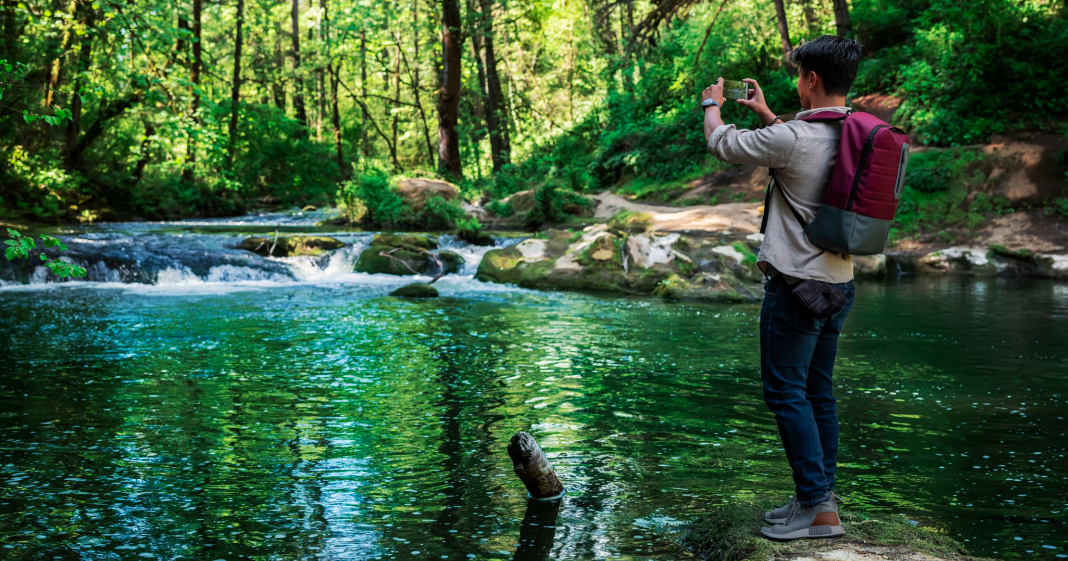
326	420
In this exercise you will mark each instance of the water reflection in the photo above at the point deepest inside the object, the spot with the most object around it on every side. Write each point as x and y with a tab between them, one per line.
313	422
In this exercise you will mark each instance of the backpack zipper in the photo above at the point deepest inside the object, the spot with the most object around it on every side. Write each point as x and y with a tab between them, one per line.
869	145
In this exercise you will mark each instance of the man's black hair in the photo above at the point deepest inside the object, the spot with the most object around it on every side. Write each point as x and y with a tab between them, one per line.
834	58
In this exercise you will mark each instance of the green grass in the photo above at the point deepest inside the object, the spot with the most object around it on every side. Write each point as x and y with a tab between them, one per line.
732	533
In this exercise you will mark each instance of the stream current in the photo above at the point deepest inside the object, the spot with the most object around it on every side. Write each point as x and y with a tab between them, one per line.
194	402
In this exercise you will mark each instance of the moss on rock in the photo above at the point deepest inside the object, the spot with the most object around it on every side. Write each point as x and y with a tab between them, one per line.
732	533
381	259
415	290
290	246
408	241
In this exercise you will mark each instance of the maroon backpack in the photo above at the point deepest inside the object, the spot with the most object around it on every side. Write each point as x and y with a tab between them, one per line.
866	183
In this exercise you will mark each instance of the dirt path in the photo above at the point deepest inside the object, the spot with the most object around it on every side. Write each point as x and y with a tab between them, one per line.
738	217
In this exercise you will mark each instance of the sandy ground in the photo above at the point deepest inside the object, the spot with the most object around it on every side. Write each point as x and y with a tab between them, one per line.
738	217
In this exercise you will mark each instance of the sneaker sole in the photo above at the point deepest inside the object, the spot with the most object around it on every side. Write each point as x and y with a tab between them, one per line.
813	532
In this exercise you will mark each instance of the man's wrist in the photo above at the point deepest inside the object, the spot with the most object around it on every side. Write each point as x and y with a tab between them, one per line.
768	118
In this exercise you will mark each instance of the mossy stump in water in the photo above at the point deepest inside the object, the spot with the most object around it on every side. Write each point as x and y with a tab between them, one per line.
415	290
732	533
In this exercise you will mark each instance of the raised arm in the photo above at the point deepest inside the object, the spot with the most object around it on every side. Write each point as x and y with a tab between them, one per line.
770	146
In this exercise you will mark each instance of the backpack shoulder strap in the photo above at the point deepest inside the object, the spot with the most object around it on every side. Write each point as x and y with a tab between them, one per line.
826	116
767	204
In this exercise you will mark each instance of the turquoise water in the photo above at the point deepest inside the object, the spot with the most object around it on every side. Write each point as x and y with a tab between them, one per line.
327	420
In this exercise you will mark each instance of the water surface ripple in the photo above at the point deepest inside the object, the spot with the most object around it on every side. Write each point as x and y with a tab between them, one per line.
334	422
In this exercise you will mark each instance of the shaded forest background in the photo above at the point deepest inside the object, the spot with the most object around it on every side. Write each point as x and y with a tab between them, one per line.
167	109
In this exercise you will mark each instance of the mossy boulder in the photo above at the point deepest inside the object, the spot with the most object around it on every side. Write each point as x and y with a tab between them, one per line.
289	246
732	533
416	290
603	259
380	259
476	237
407	241
417	191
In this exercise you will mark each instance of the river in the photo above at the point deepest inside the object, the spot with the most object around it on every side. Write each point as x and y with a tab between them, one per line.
188	405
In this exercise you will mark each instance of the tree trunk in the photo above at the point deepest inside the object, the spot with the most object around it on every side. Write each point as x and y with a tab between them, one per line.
320	73
841	17
811	20
395	124
188	171
11	31
54	75
235	91
533	468
278	91
335	115
364	145
84	59
500	146
336	121
415	79
142	162
784	33
449	100
298	82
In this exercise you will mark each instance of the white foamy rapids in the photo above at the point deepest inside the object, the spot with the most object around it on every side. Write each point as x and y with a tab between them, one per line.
211	263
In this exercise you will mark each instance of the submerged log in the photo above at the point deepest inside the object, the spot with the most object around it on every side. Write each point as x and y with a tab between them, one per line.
533	468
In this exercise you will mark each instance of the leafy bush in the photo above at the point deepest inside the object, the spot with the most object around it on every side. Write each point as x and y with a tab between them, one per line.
369	197
551	202
504	210
439	213
38	186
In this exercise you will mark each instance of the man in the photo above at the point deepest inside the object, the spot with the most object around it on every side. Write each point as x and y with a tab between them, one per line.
797	349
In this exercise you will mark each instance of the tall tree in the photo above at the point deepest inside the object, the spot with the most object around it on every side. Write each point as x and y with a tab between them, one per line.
364	144
194	89
841	17
784	32
298	81
235	88
500	147
84	58
449	98
57	66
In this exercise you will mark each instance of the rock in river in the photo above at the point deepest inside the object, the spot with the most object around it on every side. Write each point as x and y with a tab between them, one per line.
290	246
407	254
602	259
416	290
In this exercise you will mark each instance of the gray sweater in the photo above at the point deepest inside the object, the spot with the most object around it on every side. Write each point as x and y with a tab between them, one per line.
802	155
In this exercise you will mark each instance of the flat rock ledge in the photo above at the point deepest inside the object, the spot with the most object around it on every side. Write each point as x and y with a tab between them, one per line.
604	259
732	533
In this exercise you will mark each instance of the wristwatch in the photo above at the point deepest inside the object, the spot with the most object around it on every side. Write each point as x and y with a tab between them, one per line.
705	104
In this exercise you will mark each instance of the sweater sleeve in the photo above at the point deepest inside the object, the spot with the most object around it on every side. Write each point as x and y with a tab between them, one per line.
768	147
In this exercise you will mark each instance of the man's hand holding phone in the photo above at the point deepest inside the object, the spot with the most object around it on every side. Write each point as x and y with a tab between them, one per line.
756	102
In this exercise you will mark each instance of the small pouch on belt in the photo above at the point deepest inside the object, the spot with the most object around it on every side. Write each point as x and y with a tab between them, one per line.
821	299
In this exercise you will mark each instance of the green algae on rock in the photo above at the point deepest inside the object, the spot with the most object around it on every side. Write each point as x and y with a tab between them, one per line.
601	258
416	290
731	533
399	261
407	241
289	246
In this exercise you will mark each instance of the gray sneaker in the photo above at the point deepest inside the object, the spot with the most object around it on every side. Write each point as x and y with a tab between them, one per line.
778	515
819	521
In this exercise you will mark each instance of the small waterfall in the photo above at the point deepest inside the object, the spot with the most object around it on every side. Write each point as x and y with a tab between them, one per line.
192	254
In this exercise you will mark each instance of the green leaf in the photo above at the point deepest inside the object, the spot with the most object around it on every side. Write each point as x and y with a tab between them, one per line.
13	233
27	243
78	271
29	118
50	241
44	257
10	242
9	253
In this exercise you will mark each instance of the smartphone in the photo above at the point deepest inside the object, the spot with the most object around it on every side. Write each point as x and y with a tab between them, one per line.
735	89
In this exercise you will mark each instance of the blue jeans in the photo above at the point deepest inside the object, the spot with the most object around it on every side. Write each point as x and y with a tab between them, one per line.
796	363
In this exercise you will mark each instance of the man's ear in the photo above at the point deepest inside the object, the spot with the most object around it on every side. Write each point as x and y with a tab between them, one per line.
815	83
